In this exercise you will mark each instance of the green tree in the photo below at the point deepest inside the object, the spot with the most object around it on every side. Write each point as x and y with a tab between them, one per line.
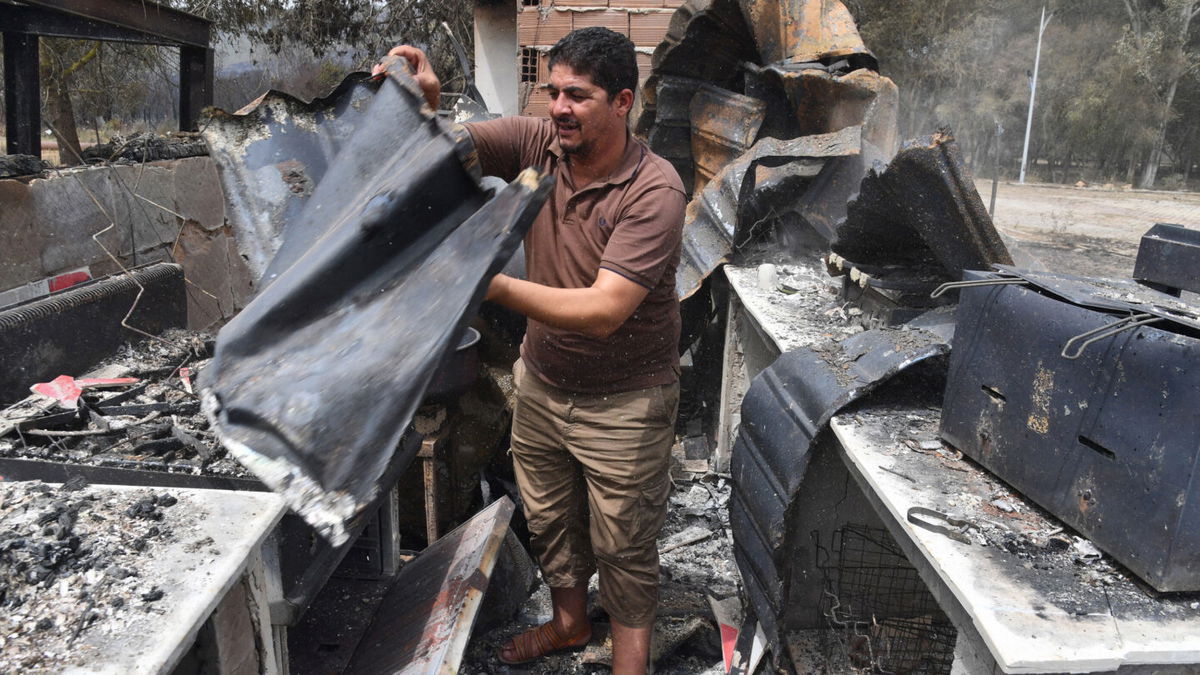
1161	42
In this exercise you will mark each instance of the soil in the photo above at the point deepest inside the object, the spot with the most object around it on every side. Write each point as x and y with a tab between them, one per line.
1092	231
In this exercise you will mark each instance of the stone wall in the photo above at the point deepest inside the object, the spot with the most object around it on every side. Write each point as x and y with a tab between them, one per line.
138	213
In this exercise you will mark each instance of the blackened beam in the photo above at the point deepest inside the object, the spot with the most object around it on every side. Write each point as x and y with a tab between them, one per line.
195	85
49	23
140	15
22	94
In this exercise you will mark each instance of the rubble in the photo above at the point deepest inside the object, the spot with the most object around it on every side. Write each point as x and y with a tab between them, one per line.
1064	568
74	559
146	148
687	638
153	424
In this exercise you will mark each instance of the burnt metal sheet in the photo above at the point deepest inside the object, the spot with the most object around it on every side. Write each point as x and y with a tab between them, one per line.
786	409
272	155
800	31
921	209
1118	295
822	102
73	330
1106	442
713	218
707	41
724	125
1169	258
376	277
426	617
671	135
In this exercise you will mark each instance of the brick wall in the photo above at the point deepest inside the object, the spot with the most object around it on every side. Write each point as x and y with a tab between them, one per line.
543	23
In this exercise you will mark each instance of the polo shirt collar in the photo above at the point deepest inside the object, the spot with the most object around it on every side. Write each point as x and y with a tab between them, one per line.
627	169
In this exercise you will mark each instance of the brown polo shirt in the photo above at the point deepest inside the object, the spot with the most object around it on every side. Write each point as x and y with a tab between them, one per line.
629	223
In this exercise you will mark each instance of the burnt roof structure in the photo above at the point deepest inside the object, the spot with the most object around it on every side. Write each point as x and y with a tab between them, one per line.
138	21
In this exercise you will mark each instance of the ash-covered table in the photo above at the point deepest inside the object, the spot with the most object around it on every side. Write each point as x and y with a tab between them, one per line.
148	567
1025	596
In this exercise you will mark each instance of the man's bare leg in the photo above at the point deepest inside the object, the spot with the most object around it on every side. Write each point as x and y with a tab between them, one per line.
570	621
631	649
570	608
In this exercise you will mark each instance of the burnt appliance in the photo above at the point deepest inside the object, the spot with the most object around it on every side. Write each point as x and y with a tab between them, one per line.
1082	394
1168	259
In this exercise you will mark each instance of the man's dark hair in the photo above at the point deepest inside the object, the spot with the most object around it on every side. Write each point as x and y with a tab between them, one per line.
604	55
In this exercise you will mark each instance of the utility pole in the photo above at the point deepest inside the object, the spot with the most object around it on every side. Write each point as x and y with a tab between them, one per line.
1037	59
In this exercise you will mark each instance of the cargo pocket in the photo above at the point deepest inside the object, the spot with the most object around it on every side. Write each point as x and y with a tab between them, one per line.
651	511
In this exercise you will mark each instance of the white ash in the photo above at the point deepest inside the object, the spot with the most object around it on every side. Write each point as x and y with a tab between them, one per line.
72	563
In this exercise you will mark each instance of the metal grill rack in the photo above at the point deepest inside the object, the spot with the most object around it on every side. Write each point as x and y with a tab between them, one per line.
883	618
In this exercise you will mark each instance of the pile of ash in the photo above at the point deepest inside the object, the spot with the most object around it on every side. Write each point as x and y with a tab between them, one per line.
72	560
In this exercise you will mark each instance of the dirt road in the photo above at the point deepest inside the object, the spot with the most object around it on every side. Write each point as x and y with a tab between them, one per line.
1090	231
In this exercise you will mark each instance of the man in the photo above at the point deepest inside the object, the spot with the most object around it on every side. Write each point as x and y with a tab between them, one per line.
597	382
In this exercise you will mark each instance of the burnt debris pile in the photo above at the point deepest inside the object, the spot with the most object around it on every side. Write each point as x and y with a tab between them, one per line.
144	417
73	560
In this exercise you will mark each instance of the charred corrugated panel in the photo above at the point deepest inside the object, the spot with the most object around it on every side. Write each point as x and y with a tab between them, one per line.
921	209
823	204
271	154
715	216
707	41
671	135
1106	441
785	411
374	280
425	620
724	125
803	31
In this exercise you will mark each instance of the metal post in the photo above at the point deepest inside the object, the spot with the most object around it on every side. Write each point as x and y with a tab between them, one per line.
996	169
1045	21
22	94
195	85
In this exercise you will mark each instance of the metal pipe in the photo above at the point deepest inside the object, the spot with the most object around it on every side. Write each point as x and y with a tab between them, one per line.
1033	90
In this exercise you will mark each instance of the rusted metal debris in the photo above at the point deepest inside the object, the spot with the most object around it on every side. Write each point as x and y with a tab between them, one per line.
371	283
729	75
717	218
806	31
921	210
724	125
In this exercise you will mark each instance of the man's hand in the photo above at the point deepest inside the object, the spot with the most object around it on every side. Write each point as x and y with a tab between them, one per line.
428	80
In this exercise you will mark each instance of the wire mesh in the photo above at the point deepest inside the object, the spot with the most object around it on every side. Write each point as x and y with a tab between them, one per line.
883	617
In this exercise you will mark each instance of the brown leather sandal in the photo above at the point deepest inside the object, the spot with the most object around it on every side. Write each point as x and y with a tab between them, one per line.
538	642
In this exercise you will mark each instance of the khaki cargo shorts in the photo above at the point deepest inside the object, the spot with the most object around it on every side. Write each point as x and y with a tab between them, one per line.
593	470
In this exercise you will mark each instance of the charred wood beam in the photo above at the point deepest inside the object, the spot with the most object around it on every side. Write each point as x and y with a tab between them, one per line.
50	23
195	85
22	94
156	20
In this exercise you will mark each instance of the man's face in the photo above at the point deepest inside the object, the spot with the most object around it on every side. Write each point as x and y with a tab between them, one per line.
582	112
